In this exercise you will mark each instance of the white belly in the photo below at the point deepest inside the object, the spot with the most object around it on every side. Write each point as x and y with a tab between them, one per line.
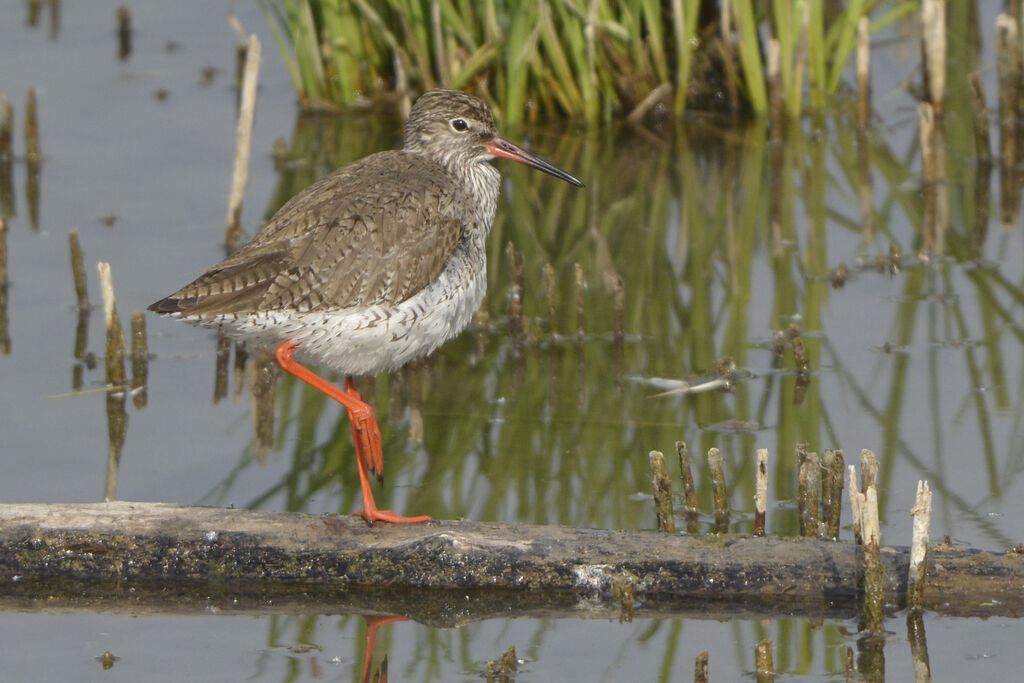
360	341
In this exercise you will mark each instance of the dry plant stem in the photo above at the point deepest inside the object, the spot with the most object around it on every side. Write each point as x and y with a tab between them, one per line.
832	491
855	505
810	485
243	139
689	490
863	72
868	470
700	668
719	491
801	488
78	270
761	491
851	672
33	153
765	665
874	571
662	493
922	514
933	20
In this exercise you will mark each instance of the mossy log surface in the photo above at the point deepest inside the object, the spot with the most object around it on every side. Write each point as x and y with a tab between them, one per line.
152	557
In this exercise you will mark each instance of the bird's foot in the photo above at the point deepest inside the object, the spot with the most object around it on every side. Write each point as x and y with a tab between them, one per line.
372	515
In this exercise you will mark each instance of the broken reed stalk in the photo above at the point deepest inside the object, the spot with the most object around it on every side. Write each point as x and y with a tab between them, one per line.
243	140
718	490
922	514
33	152
700	668
863	72
933	33
809	475
78	270
874	570
140	359
689	490
801	486
761	491
833	466
855	505
765	665
868	469
662	493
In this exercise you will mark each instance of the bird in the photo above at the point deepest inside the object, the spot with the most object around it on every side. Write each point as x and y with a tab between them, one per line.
371	267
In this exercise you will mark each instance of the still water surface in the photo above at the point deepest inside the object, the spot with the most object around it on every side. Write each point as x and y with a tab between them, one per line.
721	237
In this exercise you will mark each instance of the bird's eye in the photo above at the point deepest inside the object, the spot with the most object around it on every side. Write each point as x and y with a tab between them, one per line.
459	125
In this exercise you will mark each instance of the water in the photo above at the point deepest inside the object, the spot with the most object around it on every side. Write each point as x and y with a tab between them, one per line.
721	238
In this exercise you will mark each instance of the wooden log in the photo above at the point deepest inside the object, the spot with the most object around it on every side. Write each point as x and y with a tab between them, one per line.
149	553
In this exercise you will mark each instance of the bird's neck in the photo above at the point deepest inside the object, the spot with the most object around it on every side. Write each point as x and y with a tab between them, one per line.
482	181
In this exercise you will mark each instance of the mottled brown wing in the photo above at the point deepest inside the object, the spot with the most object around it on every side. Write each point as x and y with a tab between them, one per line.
376	231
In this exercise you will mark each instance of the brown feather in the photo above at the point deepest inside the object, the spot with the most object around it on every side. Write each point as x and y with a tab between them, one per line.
376	231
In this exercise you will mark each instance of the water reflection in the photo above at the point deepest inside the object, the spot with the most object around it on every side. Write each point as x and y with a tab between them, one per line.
685	250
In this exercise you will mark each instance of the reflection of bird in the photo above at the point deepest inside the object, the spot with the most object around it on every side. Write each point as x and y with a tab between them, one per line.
372	266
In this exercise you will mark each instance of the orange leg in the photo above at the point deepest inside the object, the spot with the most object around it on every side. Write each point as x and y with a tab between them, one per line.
365	433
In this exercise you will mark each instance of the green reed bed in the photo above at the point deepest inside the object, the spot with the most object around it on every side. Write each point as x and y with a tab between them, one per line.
588	60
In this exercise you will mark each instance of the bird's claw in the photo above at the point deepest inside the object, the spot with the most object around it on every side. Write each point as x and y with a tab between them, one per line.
372	515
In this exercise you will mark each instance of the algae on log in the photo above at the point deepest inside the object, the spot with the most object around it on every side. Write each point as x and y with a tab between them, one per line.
157	556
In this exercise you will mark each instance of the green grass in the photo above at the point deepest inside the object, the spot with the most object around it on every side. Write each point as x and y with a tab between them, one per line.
592	61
